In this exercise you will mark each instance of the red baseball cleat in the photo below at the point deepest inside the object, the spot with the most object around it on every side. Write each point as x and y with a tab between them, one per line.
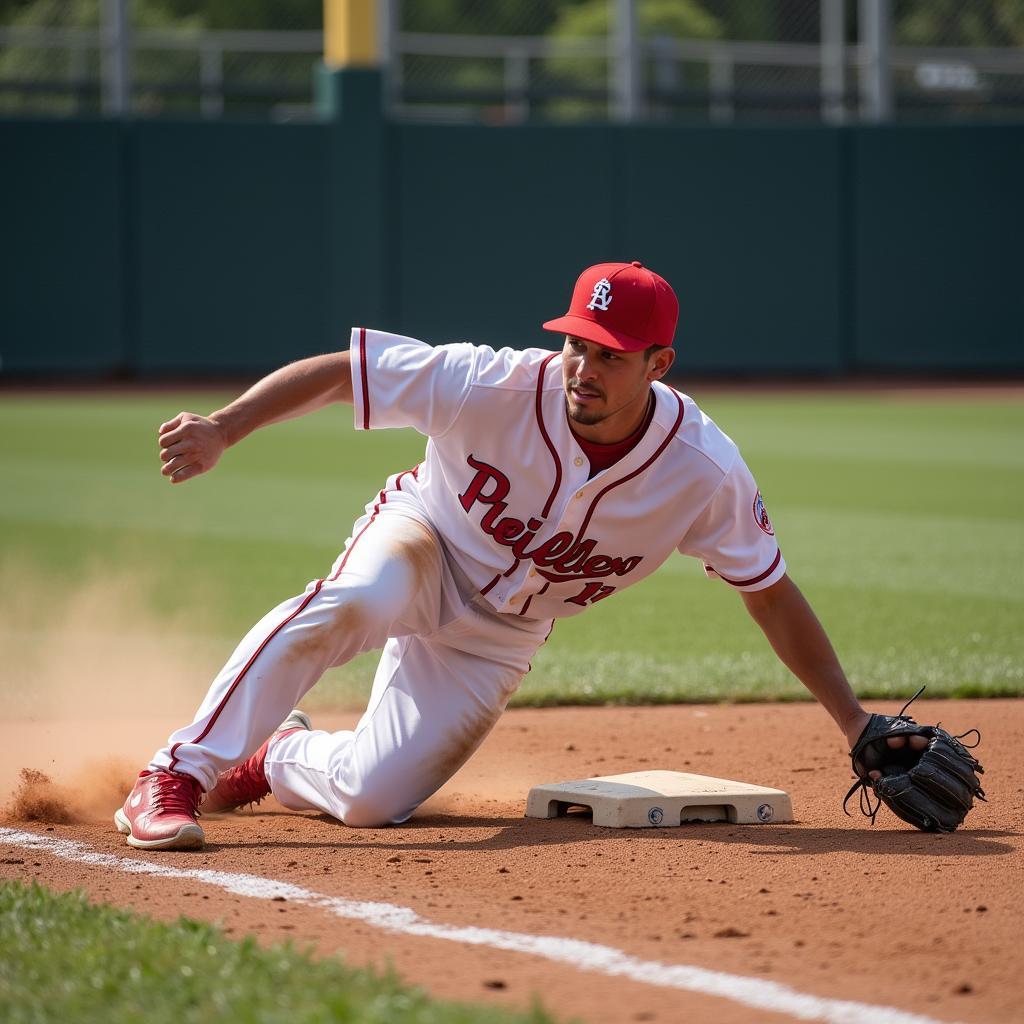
246	783
160	812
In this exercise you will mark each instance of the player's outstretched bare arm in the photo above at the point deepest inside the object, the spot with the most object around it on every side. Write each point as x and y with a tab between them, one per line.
191	444
799	640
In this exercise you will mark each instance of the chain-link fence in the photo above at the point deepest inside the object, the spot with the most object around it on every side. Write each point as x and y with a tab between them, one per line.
718	60
501	62
957	58
570	60
152	57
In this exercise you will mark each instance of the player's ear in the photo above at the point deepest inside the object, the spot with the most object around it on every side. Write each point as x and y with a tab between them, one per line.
661	363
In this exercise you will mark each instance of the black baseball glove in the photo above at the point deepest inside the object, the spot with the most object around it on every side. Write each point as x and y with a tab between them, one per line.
930	779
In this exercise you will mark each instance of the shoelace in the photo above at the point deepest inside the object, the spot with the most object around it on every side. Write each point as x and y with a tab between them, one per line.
177	794
242	783
865	786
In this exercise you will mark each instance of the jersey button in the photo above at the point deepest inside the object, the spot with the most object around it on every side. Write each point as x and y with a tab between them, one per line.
579	494
513	600
578	461
533	572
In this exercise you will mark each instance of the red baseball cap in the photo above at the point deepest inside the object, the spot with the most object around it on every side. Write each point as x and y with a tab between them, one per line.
623	306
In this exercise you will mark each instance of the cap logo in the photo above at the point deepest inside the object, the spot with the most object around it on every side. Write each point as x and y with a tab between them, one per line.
602	297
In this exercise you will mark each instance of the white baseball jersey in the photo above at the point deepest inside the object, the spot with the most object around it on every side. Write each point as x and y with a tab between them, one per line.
458	567
505	483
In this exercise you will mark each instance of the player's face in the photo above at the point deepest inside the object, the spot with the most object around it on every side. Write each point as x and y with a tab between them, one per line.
606	391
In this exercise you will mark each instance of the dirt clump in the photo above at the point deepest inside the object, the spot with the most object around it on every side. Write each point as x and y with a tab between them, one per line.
38	798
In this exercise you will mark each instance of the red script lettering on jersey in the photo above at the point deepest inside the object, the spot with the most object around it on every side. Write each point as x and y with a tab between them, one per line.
561	558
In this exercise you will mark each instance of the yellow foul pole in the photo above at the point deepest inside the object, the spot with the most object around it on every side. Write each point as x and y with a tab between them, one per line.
350	34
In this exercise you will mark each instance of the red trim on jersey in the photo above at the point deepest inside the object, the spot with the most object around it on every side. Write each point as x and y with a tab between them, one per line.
554	455
223	704
636	472
756	579
508	572
381	500
544	434
284	622
531	597
551	629
366	383
604	456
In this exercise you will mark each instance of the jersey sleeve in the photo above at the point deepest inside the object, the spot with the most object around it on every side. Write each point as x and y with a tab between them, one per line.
402	382
734	537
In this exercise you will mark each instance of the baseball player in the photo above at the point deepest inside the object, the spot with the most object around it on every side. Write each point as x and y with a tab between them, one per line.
551	480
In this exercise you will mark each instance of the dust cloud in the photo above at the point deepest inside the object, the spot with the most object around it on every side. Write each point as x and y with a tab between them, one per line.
92	681
94	795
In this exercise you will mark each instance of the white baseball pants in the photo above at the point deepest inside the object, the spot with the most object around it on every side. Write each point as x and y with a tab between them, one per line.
446	673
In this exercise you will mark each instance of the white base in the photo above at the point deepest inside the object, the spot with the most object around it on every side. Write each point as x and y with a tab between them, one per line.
659	799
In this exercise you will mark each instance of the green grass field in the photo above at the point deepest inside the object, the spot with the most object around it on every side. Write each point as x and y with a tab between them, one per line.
900	517
65	959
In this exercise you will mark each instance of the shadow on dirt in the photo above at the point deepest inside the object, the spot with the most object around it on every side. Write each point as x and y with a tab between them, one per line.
506	833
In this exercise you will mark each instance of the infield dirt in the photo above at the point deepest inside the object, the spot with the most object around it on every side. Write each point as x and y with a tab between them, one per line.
831	906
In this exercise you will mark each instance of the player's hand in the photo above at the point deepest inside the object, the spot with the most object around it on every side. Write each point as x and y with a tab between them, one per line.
190	445
856	726
917	744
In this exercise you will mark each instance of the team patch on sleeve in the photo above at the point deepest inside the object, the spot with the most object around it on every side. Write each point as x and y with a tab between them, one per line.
761	515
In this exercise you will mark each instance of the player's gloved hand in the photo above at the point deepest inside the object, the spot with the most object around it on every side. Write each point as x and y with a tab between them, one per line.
922	773
190	445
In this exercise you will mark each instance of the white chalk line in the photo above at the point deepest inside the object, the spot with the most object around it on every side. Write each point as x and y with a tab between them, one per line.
582	955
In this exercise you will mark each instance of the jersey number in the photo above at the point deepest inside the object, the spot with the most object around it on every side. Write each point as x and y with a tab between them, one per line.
590	593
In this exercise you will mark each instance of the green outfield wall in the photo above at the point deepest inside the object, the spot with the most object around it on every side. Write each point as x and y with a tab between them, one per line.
155	248
63	288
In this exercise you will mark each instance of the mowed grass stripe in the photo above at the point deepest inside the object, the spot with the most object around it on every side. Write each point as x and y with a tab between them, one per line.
904	553
898	427
247	508
914	565
943	428
893	551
